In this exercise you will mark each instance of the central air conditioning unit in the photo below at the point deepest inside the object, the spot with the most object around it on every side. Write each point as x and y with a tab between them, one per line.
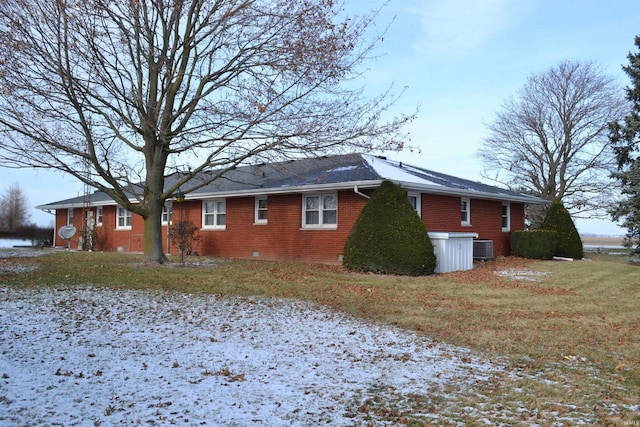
483	250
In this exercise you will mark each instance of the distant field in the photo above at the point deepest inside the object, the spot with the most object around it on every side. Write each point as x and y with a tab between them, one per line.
602	240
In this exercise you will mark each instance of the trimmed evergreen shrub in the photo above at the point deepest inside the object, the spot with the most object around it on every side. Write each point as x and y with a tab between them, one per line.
389	237
568	243
536	244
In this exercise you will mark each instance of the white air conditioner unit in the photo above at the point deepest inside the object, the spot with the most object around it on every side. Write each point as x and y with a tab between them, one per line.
483	249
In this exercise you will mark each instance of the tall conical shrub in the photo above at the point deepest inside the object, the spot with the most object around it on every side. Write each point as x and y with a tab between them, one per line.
558	219
389	237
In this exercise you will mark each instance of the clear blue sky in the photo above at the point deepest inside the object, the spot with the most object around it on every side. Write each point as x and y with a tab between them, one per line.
459	59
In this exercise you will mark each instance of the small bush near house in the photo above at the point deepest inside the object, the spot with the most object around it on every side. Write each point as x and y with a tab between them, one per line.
183	235
389	237
568	243
534	244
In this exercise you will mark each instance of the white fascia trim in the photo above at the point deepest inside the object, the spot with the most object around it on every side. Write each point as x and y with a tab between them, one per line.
473	194
251	192
409	186
79	205
285	190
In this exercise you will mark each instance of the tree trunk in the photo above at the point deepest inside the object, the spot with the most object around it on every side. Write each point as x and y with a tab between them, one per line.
153	239
153	202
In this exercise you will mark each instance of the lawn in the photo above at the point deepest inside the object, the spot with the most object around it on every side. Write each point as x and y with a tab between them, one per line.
568	332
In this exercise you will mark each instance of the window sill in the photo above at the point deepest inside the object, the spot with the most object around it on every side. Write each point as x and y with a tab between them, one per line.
261	223
123	228
213	228
319	227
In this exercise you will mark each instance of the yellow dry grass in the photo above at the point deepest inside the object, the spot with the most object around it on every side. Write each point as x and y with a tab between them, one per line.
572	327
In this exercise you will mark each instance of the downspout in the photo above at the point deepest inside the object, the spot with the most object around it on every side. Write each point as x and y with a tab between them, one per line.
55	234
358	192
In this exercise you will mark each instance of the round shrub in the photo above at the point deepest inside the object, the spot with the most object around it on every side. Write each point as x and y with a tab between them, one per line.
389	237
568	243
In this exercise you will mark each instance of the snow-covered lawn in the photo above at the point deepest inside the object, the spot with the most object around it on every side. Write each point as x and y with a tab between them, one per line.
83	355
89	356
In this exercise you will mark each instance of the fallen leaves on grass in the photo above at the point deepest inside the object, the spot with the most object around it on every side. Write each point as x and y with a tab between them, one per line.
509	273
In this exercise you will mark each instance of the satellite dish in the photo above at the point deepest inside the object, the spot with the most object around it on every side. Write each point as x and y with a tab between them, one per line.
67	231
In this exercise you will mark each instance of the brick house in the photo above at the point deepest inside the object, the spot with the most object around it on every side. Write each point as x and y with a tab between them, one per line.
300	209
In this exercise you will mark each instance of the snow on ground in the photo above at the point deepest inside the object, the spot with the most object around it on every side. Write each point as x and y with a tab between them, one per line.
8	265
91	356
10	243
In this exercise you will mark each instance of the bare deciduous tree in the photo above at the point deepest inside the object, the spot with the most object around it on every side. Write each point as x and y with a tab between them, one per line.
13	208
551	140
122	92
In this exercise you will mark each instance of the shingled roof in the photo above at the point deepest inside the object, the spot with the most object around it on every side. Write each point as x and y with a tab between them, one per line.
325	173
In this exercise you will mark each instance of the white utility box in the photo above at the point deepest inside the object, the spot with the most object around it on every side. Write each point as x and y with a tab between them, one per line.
453	250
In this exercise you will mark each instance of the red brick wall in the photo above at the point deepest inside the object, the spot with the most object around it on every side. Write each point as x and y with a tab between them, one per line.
442	213
283	236
107	236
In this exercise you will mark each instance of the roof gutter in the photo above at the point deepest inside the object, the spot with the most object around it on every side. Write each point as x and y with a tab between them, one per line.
259	191
432	189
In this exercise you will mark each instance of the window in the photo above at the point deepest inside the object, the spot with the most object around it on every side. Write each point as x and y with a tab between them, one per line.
414	201
99	216
465	211
506	216
261	210
123	218
320	210
214	213
167	213
70	216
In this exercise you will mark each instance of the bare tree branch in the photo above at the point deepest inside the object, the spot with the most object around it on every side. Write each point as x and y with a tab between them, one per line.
551	139
113	91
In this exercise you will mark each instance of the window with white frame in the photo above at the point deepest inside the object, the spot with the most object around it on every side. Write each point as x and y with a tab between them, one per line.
70	216
261	210
167	213
465	211
99	216
506	216
320	210
214	213
123	218
414	201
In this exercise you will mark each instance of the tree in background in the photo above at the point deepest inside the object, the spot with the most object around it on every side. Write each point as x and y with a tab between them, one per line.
121	94
14	208
625	136
389	237
568	242
551	140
